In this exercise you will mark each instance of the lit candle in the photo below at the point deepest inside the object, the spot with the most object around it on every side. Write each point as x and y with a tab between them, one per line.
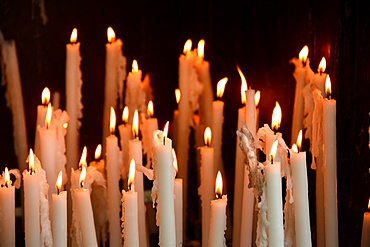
365	240
7	209
218	216
40	119
73	99
207	179
164	174
217	123
149	125
130	211
178	203
59	218
114	196
300	194
300	77
274	200
125	133
318	79
135	98
330	167
175	119
99	164
275	124
257	98
135	152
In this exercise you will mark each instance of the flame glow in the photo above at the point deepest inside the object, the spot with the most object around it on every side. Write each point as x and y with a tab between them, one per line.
98	152
48	116
177	95
257	98
111	35
221	87
175	165
274	149
45	96
244	85
322	65
207	136
150	109
295	148
112	122
187	46
201	44
303	54
83	176
125	115
165	131
135	125
135	66
218	185
276	117
83	158
299	139
31	162
328	85
65	125
73	38
59	181
368	206
7	180
131	175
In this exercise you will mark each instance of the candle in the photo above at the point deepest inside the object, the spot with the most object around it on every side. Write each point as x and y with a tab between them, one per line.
217	123
206	183
163	187
85	213
135	152
218	216
175	119
257	98
330	168
59	218
318	79
115	73
7	209
300	77
73	99
275	124
125	133
365	240
300	194
130	211
178	203
149	125
135	98
40	119
114	200
31	204
274	200
99	164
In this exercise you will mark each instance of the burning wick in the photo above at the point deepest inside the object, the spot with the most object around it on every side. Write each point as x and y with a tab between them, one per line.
165	133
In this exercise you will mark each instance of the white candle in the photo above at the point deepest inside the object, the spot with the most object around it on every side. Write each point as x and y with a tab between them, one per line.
135	98
330	168
178	203
175	119
149	125
73	99
300	194
300	77
125	133
318	79
7	211
274	201
130	211
40	119
250	112
218	217
59	218
365	239
114	200
31	205
99	164
135	152
275	124
164	174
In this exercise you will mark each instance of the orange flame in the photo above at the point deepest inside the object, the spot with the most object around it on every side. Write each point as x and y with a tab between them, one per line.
303	54
368	206
125	114
165	131
221	87
299	139
7	180
135	125
218	185
295	148
45	96
31	162
257	98
131	175
276	117
83	176
201	44
328	85
48	116
83	157
135	66
187	46
207	136
98	152
175	165
322	65
111	35
65	125
112	122
150	109
73	38
244	85
59	181
177	95
274	149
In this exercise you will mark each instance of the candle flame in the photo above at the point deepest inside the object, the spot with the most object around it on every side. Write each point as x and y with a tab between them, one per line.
125	114
98	152
175	165
135	125
295	148
111	35
83	158
65	125
131	175
112	122
303	54
187	46
45	96
59	181
83	176
135	66
218	185
328	85
31	162
177	95
73	38
299	139
207	136
48	116
273	149
201	44
368	206
165	131
244	85
276	117
221	87
257	98
7	180
150	109
322	65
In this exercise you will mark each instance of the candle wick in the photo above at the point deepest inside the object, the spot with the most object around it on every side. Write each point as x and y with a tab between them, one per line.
304	63
58	190
272	159
82	184
329	96
164	141
218	196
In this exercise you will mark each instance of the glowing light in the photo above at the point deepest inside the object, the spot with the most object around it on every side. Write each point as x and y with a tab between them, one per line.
98	152
276	117
221	87
177	95
244	85
111	35
83	158
328	85
218	185
295	148
207	136
48	116
45	96
368	206
175	165
31	162
322	65
257	98
73	38
59	181
201	44
165	131
187	46
150	109
112	122
299	139
7	180
83	176
303	54
65	125
135	125
135	66
131	175
273	150
125	114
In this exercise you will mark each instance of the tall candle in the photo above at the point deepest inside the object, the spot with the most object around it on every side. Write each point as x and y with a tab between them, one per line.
207	179
365	239
59	218
130	211
175	119
274	200
218	216
217	123
178	204
330	168
125	133
164	174
7	211
318	79
114	200
73	99
257	98
134	96
149	125
40	119
275	124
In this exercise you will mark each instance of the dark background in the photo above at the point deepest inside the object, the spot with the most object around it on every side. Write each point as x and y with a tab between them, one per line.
260	36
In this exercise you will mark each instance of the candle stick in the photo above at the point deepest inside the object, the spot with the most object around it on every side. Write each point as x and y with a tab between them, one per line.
206	183
365	239
135	98
178	203
175	119
275	124
40	119
59	222
130	211
7	211
149	125
125	133
218	216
